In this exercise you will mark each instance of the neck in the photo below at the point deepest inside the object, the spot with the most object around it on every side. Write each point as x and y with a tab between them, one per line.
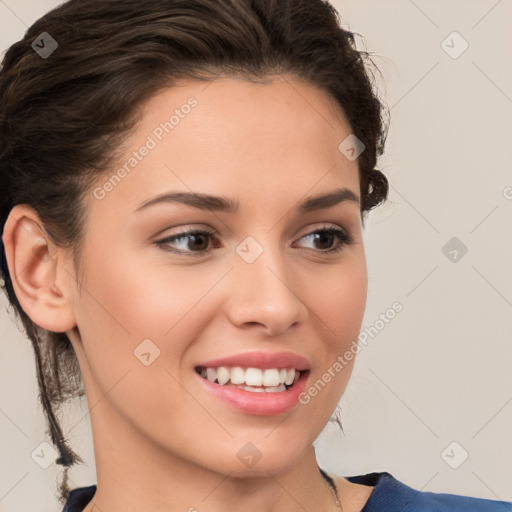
147	477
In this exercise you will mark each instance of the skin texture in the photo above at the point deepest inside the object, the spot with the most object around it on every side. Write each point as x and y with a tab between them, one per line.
161	441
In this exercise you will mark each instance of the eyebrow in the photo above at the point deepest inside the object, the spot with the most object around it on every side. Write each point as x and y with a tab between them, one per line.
226	205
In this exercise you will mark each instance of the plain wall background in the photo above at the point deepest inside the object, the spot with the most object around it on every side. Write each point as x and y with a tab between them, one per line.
438	372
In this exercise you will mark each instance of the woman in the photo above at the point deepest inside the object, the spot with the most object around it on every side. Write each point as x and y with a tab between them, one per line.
185	189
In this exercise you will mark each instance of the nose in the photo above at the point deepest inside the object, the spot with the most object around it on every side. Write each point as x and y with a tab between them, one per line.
264	293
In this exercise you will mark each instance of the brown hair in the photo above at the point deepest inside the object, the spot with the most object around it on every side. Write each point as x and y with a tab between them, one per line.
60	116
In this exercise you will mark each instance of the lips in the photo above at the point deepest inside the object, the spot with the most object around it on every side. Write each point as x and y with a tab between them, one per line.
256	382
261	360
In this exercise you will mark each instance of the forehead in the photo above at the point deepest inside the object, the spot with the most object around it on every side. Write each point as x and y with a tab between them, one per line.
266	107
236	136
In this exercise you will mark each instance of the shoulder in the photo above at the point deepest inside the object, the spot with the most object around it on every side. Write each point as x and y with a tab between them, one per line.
387	494
391	495
79	498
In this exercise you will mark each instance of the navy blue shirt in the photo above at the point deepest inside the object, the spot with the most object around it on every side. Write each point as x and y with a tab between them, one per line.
388	495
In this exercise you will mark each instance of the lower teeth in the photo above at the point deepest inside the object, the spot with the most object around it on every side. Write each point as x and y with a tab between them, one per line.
260	389
257	389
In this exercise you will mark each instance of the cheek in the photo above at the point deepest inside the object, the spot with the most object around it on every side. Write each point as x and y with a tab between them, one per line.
338	302
141	298
339	299
125	303
123	321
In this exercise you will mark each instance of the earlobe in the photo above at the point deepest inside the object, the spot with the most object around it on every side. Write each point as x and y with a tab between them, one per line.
33	261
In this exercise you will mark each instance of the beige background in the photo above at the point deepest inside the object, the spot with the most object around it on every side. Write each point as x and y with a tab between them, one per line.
439	372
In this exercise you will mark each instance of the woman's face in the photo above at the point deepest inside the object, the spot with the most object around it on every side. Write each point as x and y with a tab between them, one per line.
258	285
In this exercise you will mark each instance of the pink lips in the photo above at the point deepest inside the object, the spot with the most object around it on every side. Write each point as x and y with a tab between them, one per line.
263	404
260	360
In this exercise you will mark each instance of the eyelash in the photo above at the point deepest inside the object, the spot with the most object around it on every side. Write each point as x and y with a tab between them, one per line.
344	238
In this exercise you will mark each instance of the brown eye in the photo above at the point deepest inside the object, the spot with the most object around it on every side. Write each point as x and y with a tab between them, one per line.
189	242
326	237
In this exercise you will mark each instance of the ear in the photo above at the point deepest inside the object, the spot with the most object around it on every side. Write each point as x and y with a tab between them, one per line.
38	270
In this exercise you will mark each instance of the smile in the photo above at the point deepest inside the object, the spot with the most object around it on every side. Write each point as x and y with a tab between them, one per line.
255	380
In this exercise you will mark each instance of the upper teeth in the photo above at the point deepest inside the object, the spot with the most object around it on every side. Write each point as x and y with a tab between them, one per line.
251	376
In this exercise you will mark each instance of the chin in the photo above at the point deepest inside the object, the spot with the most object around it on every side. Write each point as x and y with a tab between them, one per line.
262	454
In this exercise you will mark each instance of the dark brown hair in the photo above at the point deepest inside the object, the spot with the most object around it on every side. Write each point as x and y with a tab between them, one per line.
61	116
